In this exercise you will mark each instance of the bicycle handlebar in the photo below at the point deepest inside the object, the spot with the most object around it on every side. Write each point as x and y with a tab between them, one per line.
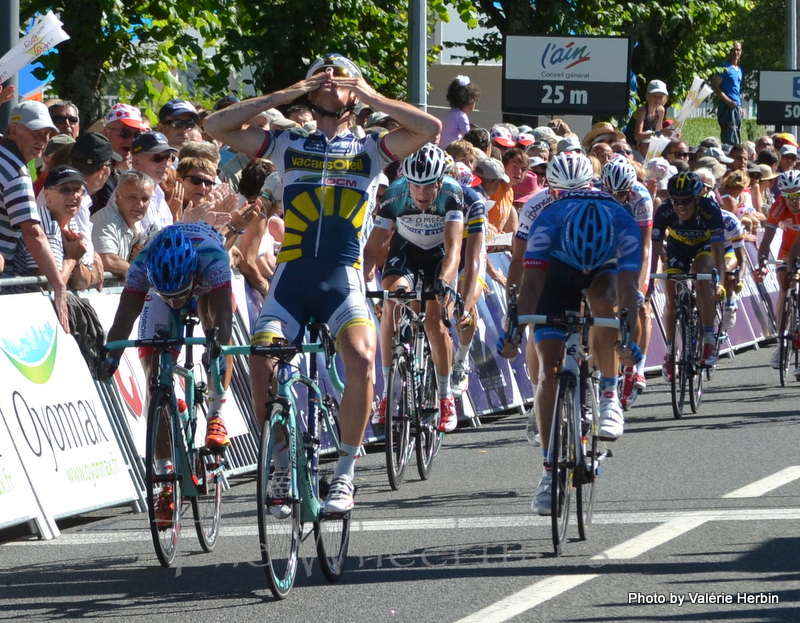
686	276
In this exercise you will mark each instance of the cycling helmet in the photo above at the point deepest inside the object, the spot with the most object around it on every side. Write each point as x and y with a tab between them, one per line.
171	261
684	184
342	66
789	179
618	175
569	171
449	165
425	166
588	237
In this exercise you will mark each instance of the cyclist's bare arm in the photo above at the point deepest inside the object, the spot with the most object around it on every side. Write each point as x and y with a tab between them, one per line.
453	233
472	260
216	310
766	241
794	253
377	238
515	267
718	251
128	311
627	295
644	276
529	292
655	254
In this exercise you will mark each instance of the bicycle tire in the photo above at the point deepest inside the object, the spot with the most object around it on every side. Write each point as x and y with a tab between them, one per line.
678	355
279	523
331	531
786	336
428	438
562	444
165	532
589	462
207	504
695	371
399	399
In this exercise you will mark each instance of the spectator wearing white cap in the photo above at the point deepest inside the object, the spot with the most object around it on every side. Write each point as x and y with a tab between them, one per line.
648	120
502	138
29	129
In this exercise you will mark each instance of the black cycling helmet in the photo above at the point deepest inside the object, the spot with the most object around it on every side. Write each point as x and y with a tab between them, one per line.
684	184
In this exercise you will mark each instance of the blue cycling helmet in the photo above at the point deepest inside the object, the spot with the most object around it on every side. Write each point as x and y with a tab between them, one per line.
588	237
171	261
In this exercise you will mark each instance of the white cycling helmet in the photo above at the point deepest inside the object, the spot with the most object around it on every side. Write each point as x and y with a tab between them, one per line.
342	66
618	175
425	166
789	179
569	171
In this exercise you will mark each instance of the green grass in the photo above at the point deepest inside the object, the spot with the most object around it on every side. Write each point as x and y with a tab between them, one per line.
699	128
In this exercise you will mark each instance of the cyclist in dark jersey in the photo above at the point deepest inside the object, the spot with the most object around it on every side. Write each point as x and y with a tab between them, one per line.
328	177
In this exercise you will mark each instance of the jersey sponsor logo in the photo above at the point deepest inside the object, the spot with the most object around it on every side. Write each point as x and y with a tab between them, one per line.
454	216
539	241
300	161
627	245
341	181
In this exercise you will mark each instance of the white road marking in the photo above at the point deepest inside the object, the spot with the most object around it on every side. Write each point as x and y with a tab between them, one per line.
526	599
765	485
638	545
89	536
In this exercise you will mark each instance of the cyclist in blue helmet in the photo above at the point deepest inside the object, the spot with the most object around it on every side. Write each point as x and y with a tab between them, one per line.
584	240
185	266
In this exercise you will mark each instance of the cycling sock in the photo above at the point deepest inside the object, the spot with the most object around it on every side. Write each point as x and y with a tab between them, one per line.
534	390
461	353
640	365
444	386
609	384
347	461
216	401
385	370
708	335
164	466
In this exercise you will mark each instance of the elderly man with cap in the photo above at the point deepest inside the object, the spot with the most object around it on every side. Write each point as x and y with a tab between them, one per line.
153	156
63	189
27	134
176	119
324	222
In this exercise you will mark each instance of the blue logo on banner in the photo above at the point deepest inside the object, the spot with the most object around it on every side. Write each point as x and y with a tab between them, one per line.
796	86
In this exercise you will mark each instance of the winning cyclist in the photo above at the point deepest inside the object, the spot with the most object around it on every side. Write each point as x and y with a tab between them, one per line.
185	266
695	244
784	214
425	209
328	177
582	241
619	180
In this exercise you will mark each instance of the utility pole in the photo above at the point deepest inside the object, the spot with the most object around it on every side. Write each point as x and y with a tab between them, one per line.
9	36
417	56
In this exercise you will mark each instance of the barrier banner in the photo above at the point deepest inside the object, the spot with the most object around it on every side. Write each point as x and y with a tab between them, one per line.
17	501
54	415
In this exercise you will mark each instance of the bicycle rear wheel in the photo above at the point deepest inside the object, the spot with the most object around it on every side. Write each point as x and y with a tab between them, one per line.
787	335
163	487
207	504
562	461
589	463
679	355
429	439
279	524
399	399
695	371
331	531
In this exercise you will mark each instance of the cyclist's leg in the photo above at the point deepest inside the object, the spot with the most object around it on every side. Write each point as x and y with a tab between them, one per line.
782	275
549	347
645	332
703	263
678	261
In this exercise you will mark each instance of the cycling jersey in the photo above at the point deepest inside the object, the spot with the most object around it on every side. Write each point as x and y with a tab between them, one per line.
781	216
530	210
424	229
544	239
327	185
734	232
704	227
640	205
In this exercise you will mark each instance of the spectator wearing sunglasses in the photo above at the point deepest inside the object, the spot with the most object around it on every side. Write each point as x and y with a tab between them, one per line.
153	156
676	149
176	120
197	175
65	117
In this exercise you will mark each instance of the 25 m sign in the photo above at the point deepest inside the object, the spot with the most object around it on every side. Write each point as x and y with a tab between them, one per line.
546	75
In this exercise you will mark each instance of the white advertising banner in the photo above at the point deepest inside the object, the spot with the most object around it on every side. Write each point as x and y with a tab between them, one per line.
17	502
54	415
44	36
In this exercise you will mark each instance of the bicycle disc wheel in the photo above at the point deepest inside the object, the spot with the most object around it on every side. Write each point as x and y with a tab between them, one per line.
562	444
695	372
279	526
786	336
207	504
679	355
399	398
589	462
429	439
163	489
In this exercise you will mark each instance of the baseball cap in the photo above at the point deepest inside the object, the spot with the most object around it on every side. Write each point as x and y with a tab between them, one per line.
657	86
465	176
543	132
127	114
151	143
225	102
56	143
569	143
753	169
789	150
786	137
502	136
61	175
525	139
176	107
491	169
94	149
33	115
716	152
536	161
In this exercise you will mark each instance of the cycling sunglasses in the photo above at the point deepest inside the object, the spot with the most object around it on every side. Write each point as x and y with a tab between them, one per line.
792	195
197	180
158	158
682	201
338	72
171	297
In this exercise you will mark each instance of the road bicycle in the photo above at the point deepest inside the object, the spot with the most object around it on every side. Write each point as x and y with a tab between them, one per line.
197	473
789	331
576	454
686	351
412	401
302	418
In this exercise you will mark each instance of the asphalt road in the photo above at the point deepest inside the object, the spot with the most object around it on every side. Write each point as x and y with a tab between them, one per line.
676	535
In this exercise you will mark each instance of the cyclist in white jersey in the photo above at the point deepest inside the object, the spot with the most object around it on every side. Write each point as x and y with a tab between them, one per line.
327	178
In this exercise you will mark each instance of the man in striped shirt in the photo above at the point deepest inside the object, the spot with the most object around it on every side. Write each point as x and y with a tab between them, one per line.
28	131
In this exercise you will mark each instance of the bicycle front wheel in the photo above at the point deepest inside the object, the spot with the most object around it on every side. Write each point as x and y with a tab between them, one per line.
562	461
279	526
399	399
787	335
429	417
679	355
588	460
207	504
163	486
696	371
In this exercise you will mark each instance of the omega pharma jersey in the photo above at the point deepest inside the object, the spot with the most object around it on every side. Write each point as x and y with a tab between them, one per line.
424	229
327	186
